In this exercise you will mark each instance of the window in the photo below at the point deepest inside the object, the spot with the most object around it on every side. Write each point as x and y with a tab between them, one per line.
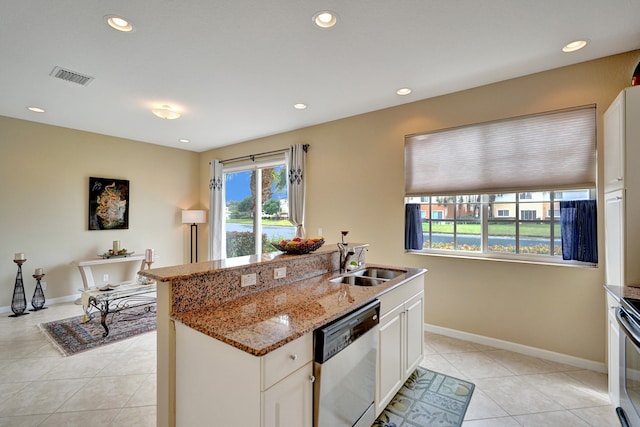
494	189
250	226
479	224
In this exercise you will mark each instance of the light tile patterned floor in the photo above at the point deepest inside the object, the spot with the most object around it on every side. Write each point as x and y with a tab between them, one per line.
514	390
115	385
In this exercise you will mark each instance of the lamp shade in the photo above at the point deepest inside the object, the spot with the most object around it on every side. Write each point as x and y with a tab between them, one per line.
193	217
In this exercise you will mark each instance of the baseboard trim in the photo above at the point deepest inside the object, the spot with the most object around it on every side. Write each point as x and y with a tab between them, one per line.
7	308
519	348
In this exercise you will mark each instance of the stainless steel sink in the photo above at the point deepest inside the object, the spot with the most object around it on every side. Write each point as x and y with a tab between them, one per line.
370	276
378	273
358	280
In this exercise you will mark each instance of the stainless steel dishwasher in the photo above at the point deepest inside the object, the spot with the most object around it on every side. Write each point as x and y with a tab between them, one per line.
345	369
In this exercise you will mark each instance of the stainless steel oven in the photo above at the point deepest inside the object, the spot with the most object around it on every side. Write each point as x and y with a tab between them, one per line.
628	316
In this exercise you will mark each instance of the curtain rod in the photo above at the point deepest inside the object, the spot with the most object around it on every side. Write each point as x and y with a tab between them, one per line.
253	157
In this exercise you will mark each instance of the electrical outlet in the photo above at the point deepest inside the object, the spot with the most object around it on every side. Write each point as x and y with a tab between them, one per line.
248	280
280	273
43	285
105	277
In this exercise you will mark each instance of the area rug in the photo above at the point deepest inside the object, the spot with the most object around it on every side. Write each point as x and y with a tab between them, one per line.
71	336
427	399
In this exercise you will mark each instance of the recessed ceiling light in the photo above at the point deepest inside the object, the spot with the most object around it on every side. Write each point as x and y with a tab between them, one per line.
184	140
165	112
325	19
300	106
35	109
119	23
403	91
574	45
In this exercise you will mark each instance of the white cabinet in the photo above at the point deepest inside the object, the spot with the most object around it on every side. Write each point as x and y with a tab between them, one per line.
218	384
400	345
622	140
614	121
614	237
414	316
290	401
613	354
622	188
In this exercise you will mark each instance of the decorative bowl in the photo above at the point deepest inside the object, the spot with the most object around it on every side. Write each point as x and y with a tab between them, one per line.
121	254
299	246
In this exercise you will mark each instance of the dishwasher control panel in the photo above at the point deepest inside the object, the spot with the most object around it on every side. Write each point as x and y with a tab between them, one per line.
337	335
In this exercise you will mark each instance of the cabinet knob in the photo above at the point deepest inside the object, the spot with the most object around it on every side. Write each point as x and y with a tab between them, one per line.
293	356
619	179
312	378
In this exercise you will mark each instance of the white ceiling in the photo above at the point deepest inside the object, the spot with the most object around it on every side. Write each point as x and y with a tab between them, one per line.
234	69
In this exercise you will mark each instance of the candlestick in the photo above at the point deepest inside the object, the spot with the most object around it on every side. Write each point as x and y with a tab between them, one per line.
19	301
37	302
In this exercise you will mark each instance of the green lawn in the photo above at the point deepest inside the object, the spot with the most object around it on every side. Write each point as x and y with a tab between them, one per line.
279	222
500	229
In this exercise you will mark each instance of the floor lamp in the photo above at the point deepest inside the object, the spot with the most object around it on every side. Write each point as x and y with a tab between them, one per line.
193	217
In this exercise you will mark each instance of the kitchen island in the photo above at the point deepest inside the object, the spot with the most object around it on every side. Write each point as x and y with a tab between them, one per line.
248	329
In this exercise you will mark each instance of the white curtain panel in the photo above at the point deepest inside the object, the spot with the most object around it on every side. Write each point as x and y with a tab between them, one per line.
296	175
217	249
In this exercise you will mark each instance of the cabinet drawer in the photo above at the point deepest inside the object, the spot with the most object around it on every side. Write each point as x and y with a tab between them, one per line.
281	362
401	294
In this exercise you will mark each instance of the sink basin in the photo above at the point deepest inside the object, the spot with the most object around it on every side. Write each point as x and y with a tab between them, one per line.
368	276
358	280
378	273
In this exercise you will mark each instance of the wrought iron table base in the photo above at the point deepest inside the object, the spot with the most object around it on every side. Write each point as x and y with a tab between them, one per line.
122	303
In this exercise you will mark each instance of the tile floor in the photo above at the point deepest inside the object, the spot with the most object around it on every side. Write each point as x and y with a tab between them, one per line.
115	385
514	390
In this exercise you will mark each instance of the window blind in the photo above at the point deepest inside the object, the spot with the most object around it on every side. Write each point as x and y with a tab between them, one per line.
552	150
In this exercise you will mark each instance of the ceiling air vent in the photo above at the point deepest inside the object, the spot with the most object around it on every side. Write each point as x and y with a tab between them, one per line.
71	76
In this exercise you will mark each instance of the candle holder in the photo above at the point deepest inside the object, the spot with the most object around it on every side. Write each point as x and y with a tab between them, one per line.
19	301
148	263
37	302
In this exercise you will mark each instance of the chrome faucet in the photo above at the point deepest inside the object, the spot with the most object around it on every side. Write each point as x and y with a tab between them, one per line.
345	252
345	255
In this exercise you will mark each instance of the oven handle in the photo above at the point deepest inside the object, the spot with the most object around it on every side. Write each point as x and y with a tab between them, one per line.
629	327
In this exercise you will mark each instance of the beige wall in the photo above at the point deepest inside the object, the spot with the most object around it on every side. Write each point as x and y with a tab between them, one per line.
44	180
355	182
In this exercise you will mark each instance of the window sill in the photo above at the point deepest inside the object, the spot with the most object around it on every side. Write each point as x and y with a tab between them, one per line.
504	258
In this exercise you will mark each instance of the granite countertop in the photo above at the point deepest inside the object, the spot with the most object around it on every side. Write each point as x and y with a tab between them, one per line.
620	292
184	271
263	321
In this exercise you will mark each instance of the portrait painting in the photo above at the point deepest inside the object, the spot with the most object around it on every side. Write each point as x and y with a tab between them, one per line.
108	204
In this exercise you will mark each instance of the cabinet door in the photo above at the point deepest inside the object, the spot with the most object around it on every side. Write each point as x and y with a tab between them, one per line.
289	402
414	316
390	353
614	238
613	354
614	152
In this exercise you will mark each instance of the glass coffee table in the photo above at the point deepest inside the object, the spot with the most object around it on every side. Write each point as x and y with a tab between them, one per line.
113	299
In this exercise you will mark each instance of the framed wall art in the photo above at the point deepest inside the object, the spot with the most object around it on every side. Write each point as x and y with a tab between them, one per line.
108	204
